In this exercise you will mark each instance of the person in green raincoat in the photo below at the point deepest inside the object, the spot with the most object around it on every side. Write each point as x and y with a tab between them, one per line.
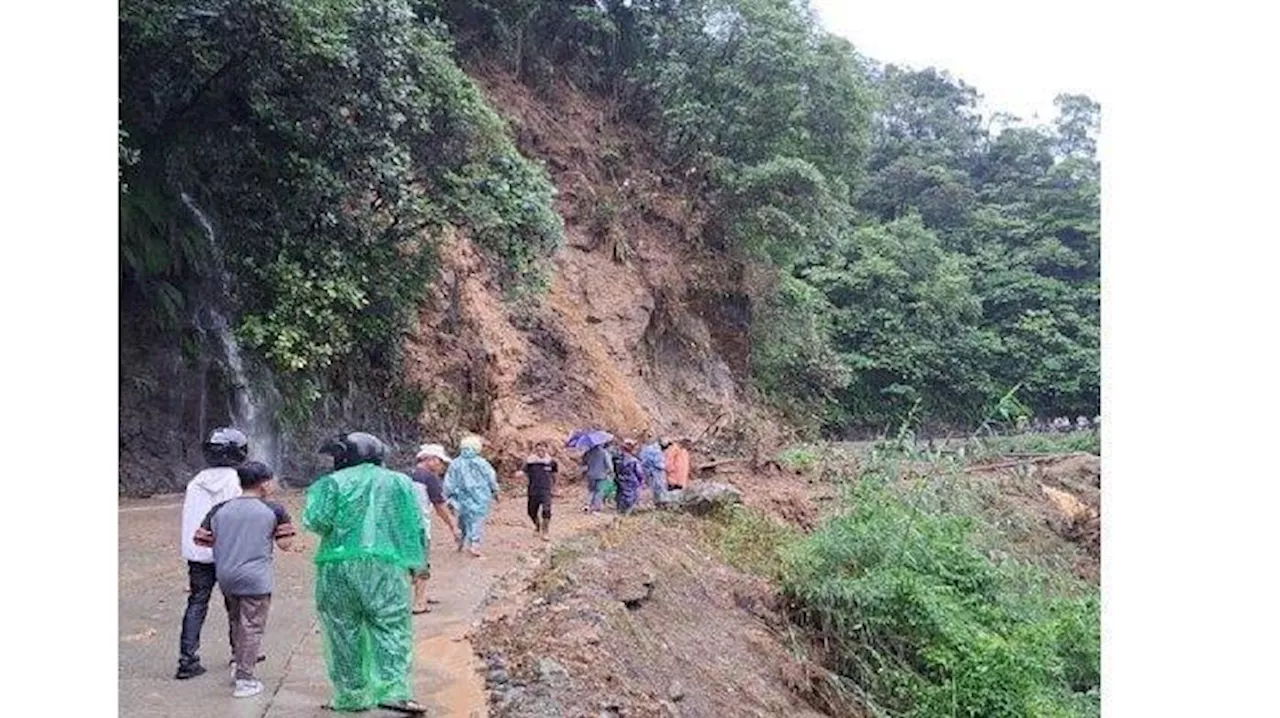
471	485
371	539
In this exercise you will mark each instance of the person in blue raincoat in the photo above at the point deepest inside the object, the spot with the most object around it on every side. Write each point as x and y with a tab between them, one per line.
655	470
471	485
630	478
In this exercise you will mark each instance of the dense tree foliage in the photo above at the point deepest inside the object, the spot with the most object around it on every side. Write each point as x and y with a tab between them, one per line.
926	259
974	265
930	259
328	141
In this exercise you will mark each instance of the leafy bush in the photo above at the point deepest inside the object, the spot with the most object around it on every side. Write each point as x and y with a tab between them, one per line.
779	208
928	625
331	143
799	458
792	358
751	541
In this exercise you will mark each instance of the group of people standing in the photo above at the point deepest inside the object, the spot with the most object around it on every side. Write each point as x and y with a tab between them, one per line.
374	526
372	562
662	465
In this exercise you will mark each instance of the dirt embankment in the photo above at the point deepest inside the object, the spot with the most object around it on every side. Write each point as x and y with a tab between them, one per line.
643	619
622	338
638	621
1057	502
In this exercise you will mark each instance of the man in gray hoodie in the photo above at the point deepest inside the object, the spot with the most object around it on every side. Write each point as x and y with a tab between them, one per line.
223	452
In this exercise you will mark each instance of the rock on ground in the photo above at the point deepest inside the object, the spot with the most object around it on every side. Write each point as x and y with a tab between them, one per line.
703	497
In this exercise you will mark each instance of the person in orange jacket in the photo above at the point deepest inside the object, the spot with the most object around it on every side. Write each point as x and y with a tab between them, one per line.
677	458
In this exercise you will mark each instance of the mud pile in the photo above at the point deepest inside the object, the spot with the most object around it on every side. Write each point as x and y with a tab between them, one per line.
637	621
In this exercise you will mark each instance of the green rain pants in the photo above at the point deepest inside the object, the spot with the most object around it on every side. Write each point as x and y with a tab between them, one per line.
364	608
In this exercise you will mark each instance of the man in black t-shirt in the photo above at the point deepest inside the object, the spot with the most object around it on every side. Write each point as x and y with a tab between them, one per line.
541	470
431	460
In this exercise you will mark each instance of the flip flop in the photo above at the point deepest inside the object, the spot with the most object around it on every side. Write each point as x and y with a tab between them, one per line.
425	610
412	708
328	707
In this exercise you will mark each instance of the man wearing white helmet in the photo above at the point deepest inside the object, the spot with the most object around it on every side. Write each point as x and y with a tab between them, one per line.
431	463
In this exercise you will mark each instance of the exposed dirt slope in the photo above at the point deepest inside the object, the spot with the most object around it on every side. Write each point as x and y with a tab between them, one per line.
638	621
1069	502
621	339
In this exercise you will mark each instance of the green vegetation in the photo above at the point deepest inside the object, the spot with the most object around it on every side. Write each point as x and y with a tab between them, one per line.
1086	441
920	259
750	541
330	143
932	595
928	624
926	258
802	457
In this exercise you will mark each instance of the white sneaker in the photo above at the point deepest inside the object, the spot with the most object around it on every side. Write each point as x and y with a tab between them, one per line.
246	689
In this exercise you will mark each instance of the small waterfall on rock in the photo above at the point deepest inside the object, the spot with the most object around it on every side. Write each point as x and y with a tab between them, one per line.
254	398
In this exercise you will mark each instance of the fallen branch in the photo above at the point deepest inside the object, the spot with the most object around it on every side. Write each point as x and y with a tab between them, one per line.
720	462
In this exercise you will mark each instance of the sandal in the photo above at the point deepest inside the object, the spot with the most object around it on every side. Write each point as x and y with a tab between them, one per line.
329	707
412	708
422	611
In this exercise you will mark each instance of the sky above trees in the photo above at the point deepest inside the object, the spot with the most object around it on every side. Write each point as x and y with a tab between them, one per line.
1019	55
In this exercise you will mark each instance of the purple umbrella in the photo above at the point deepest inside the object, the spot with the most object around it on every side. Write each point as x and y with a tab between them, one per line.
588	439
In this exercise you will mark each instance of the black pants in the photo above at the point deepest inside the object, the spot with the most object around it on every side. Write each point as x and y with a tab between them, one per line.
540	503
202	578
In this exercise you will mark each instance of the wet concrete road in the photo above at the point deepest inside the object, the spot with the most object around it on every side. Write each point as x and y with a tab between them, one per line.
153	593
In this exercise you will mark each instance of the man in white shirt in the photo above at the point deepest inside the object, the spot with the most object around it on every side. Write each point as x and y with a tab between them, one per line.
225	450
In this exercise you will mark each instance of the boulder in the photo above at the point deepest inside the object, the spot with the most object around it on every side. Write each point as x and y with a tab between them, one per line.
703	497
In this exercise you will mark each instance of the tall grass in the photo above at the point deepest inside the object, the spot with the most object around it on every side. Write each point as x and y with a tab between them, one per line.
1087	441
927	623
749	540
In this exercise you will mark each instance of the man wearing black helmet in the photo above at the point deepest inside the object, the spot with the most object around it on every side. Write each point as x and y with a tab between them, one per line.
371	538
225	449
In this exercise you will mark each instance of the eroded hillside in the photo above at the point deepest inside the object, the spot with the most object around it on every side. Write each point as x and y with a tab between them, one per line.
635	331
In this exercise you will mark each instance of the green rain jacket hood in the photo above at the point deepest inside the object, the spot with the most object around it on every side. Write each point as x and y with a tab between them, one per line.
366	511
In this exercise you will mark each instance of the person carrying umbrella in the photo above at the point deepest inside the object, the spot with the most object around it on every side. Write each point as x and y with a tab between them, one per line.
472	485
595	463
